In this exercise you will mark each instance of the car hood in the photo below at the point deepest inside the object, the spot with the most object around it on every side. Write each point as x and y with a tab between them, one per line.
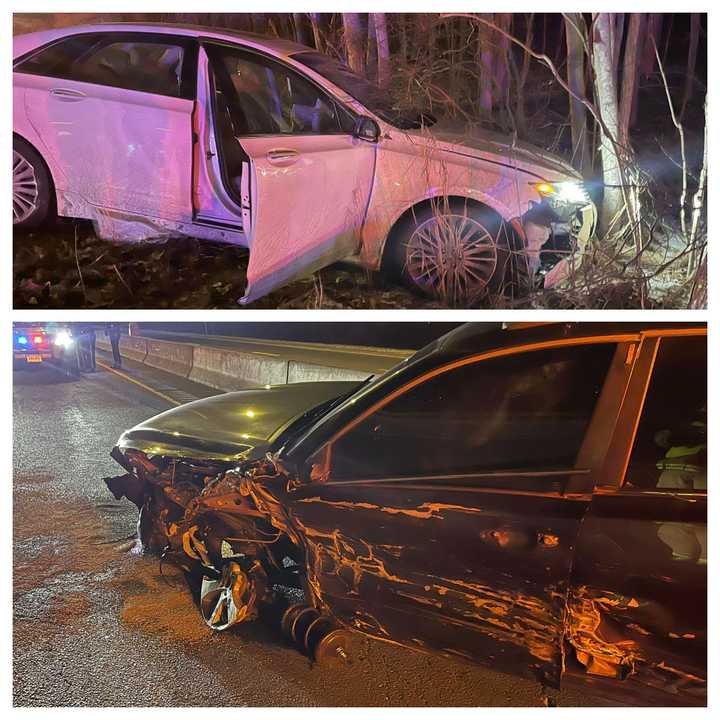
495	147
227	427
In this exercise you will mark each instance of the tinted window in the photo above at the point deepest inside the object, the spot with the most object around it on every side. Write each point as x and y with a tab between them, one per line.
147	66
528	411
670	450
268	99
373	97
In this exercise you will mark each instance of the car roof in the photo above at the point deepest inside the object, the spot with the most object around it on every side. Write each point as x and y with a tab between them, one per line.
277	46
479	337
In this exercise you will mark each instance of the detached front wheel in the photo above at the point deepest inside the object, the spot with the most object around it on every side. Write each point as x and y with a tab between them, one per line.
454	252
31	187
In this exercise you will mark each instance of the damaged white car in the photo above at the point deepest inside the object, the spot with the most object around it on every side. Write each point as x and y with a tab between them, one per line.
164	130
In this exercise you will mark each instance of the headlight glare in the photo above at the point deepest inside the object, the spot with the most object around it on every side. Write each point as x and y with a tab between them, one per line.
63	339
567	191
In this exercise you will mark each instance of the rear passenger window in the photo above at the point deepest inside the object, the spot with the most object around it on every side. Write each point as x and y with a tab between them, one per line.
144	65
670	450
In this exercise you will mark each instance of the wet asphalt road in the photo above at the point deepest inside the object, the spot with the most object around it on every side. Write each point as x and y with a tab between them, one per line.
96	624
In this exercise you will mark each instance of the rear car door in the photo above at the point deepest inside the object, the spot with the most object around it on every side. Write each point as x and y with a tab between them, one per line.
310	178
637	609
114	111
445	516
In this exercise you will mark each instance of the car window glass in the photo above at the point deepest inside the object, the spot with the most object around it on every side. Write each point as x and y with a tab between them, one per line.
670	448
146	66
527	411
272	100
56	59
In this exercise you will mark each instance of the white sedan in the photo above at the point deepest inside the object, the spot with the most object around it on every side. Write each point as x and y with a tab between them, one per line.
166	130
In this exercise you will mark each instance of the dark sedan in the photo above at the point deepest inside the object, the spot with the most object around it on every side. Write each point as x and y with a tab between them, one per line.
532	499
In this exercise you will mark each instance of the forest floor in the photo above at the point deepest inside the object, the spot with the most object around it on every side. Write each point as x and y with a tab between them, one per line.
67	266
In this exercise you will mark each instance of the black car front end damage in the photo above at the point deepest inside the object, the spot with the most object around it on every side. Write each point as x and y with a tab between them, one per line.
225	525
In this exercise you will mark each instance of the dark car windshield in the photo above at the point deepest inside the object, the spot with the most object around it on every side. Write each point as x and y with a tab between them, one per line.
373	97
299	425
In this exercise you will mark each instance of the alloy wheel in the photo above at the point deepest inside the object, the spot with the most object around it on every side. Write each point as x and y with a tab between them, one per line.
25	189
452	256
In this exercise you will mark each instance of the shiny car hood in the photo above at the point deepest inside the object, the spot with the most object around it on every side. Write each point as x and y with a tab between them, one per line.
500	148
228	426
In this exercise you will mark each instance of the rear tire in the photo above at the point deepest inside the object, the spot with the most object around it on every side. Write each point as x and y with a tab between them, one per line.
31	187
455	252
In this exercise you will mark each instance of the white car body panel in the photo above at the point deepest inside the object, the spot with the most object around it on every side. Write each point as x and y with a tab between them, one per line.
129	163
118	149
310	200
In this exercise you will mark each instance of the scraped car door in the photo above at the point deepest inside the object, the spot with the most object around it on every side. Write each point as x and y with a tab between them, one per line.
445	517
114	113
637	607
310	178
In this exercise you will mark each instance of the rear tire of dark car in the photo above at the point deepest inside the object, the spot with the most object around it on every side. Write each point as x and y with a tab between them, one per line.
457	252
31	187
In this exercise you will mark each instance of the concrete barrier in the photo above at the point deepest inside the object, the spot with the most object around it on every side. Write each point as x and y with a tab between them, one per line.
225	369
304	372
134	348
176	358
230	370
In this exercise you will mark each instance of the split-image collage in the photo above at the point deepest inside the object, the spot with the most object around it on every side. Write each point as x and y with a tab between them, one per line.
359	359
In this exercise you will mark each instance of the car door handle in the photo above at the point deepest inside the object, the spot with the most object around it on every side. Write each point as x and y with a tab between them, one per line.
282	156
67	95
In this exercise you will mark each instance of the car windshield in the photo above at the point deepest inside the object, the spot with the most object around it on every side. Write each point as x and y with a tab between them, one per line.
298	426
372	96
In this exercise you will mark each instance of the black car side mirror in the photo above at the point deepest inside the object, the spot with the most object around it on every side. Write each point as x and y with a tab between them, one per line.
366	129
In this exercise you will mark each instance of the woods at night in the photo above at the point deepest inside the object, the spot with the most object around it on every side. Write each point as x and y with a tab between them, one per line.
619	97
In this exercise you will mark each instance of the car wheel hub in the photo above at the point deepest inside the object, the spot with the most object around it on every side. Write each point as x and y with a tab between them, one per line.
25	188
229	599
453	257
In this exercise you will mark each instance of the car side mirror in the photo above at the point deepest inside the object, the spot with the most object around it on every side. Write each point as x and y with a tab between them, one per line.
366	129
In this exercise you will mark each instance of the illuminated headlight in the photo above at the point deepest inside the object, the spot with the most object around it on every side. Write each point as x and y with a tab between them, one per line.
63	339
567	191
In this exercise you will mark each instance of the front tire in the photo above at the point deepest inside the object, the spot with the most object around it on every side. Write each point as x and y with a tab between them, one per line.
454	252
31	187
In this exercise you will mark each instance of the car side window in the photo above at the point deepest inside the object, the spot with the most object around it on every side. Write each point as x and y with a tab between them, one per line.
527	411
144	65
269	99
670	449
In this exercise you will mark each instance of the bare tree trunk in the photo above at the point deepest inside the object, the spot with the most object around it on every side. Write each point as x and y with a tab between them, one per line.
575	35
606	93
383	49
651	40
353	31
315	22
698	296
502	68
402	24
523	74
259	22
692	60
299	22
618	28
371	51
629	76
487	66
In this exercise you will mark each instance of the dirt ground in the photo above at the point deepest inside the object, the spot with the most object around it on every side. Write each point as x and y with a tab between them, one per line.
67	266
